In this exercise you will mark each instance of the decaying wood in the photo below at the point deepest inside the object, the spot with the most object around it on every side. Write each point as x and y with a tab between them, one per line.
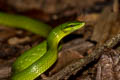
5	69
108	66
107	25
79	64
5	72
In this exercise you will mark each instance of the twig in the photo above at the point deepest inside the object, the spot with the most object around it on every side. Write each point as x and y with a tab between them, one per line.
77	65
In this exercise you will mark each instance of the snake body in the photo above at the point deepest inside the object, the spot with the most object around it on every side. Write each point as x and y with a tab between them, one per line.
29	57
49	57
38	59
26	23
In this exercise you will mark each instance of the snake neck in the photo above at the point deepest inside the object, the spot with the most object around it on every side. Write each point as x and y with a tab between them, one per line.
54	38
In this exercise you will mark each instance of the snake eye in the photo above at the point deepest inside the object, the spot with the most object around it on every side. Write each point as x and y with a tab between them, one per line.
72	25
69	26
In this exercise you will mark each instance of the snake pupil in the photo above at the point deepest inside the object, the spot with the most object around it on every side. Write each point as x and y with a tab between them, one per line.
72	25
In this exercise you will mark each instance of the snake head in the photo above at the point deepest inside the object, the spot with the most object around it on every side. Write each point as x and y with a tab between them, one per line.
71	26
61	31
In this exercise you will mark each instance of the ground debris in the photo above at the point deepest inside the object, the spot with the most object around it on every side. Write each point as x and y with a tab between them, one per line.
107	67
107	25
70	53
79	59
79	64
53	6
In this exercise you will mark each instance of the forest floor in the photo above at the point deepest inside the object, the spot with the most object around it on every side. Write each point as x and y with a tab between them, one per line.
91	53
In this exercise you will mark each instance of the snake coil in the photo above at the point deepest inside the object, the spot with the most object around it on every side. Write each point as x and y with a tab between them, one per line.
38	59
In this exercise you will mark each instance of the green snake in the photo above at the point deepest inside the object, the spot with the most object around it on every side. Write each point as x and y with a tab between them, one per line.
38	59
